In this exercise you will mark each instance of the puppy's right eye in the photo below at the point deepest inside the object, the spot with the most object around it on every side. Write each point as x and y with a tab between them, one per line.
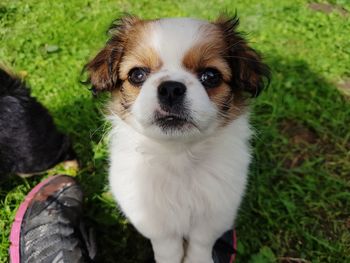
137	76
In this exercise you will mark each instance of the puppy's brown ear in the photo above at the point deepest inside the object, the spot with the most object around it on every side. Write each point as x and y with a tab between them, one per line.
249	73
103	69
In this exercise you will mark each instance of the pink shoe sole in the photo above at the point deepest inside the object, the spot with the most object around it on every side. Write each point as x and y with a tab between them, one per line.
16	225
225	248
234	241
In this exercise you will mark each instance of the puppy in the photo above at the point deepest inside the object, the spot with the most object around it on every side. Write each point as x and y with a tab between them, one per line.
179	149
29	140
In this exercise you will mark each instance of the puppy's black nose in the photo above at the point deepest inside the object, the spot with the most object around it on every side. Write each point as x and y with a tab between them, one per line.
171	93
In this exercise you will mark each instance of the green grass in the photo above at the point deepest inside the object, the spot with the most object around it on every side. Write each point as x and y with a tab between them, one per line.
298	200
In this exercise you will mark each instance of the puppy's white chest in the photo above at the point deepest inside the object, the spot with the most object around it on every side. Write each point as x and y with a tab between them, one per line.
168	188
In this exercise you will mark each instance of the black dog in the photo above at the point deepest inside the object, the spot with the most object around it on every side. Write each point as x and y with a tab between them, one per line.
29	140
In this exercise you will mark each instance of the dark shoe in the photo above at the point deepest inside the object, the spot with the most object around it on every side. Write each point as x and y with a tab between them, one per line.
47	225
225	248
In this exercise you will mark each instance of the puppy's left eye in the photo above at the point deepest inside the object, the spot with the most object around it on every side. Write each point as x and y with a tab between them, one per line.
137	76
210	77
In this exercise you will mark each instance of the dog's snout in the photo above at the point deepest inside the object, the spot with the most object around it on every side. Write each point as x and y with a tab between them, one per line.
171	92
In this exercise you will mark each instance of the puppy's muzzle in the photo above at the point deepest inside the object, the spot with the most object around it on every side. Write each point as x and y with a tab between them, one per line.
171	94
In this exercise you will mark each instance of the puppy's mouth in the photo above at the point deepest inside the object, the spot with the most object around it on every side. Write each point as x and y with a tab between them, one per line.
171	121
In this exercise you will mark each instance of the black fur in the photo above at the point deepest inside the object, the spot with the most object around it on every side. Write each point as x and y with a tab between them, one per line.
29	139
250	74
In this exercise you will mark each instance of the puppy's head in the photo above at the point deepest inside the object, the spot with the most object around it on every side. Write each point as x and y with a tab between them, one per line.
178	77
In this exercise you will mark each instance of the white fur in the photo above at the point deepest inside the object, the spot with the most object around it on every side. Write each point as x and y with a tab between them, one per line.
171	38
180	185
172	191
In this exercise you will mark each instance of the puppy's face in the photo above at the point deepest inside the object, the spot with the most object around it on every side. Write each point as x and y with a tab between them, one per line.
177	78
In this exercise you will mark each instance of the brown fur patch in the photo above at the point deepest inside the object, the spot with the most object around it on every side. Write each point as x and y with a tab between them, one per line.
212	52
249	73
230	104
138	51
220	47
123	51
123	98
208	53
135	51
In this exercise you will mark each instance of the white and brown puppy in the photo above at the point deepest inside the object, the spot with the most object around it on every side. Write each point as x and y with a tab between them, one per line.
179	150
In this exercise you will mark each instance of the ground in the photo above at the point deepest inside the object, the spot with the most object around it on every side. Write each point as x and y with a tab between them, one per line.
297	208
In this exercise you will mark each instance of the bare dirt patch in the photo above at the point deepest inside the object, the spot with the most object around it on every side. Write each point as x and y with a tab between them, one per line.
344	86
298	133
328	8
300	138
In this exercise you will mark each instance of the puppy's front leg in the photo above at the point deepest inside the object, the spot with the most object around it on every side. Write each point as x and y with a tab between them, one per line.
200	244
199	252
168	250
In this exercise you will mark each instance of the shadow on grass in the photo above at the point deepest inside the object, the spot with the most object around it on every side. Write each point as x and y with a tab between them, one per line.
297	203
282	192
117	241
293	208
